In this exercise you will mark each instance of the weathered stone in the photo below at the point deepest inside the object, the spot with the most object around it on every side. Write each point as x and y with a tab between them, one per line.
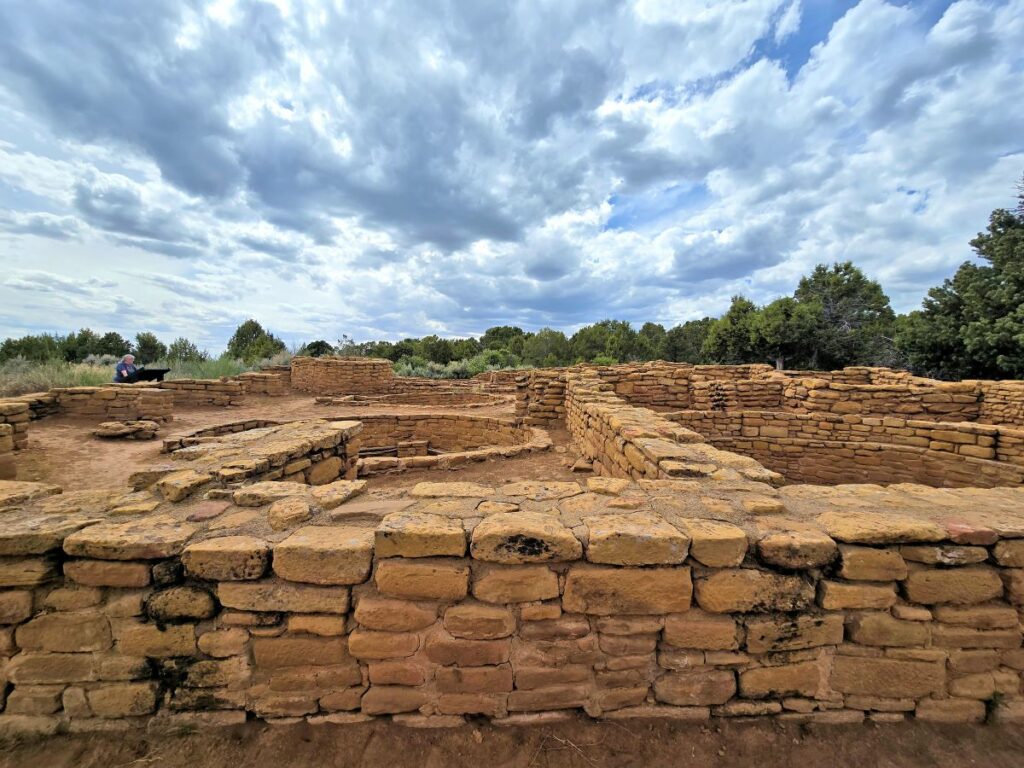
122	699
886	677
146	539
798	550
971	584
104	573
65	633
697	629
745	590
715	544
524	537
273	652
50	668
605	590
371	644
34	700
442	648
392	699
545	699
422	579
802	679
325	471
180	604
180	485
944	555
135	639
1010	553
609	486
333	495
397	672
450	490
537	490
26	571
1013	580
15	606
793	633
978	616
870	564
883	629
222	643
412	534
479	622
288	513
859	527
515	584
258	494
839	596
282	596
950	711
393	615
634	539
227	558
325	555
695	687
38	534
317	624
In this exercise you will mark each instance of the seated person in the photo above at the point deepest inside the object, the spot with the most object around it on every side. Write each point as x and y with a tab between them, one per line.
126	372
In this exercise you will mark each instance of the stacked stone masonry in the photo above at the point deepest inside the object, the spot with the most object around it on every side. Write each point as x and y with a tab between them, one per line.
662	598
340	376
198	393
126	402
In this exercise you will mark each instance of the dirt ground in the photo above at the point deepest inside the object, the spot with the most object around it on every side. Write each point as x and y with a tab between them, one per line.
574	743
62	451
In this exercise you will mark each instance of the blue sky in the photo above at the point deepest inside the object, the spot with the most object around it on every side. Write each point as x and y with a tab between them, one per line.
384	169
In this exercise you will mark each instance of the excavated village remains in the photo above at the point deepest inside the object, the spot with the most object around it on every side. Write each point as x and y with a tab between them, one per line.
815	547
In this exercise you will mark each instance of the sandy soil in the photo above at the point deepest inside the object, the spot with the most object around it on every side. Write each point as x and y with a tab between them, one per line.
62	451
579	742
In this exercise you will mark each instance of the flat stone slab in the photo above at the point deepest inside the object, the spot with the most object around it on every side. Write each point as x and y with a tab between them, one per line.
456	490
34	536
325	555
524	537
14	492
857	527
150	539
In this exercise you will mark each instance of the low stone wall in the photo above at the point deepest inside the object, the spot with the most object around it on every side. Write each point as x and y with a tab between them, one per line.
736	394
341	376
199	393
174	443
16	414
437	396
824	448
940	401
533	597
116	402
624	441
8	469
1002	402
268	384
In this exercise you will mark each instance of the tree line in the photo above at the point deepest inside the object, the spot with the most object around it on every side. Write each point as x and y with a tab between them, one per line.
971	326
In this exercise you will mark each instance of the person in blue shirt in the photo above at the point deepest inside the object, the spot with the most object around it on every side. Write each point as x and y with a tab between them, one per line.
126	372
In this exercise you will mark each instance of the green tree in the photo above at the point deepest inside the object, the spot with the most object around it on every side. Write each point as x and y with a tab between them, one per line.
463	349
436	349
183	350
38	348
546	348
317	348
684	343
857	324
731	339
651	342
251	342
78	346
783	330
973	324
112	343
508	337
608	339
148	348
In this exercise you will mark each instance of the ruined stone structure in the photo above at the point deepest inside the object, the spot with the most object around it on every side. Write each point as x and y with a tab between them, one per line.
696	572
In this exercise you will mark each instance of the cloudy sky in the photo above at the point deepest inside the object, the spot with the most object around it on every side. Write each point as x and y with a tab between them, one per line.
384	168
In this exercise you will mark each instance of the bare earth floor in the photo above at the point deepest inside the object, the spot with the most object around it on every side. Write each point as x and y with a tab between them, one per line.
62	451
573	743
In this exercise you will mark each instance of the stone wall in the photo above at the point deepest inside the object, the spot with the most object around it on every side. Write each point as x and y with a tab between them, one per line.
17	414
825	448
341	376
437	396
267	383
199	393
624	441
939	401
1002	402
116	402
461	599
8	469
737	394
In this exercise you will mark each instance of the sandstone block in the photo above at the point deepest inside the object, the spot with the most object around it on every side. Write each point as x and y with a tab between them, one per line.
634	539
743	590
135	639
515	584
397	672
258	494
950	711
698	629
392	699
423	579
793	633
859	527
289	512
34	700
152	538
889	678
524	537
871	564
497	679
105	573
412	534
797	550
479	622
695	687
715	544
1010	553
978	616
472	704
606	590
550	698
65	633
838	596
325	555
281	596
882	629
180	604
446	650
227	558
450	490
1013	580
970	584
26	571
51	668
801	679
333	495
946	554
222	643
273	652
15	606
325	471
122	699
179	485
372	644
393	615
317	624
